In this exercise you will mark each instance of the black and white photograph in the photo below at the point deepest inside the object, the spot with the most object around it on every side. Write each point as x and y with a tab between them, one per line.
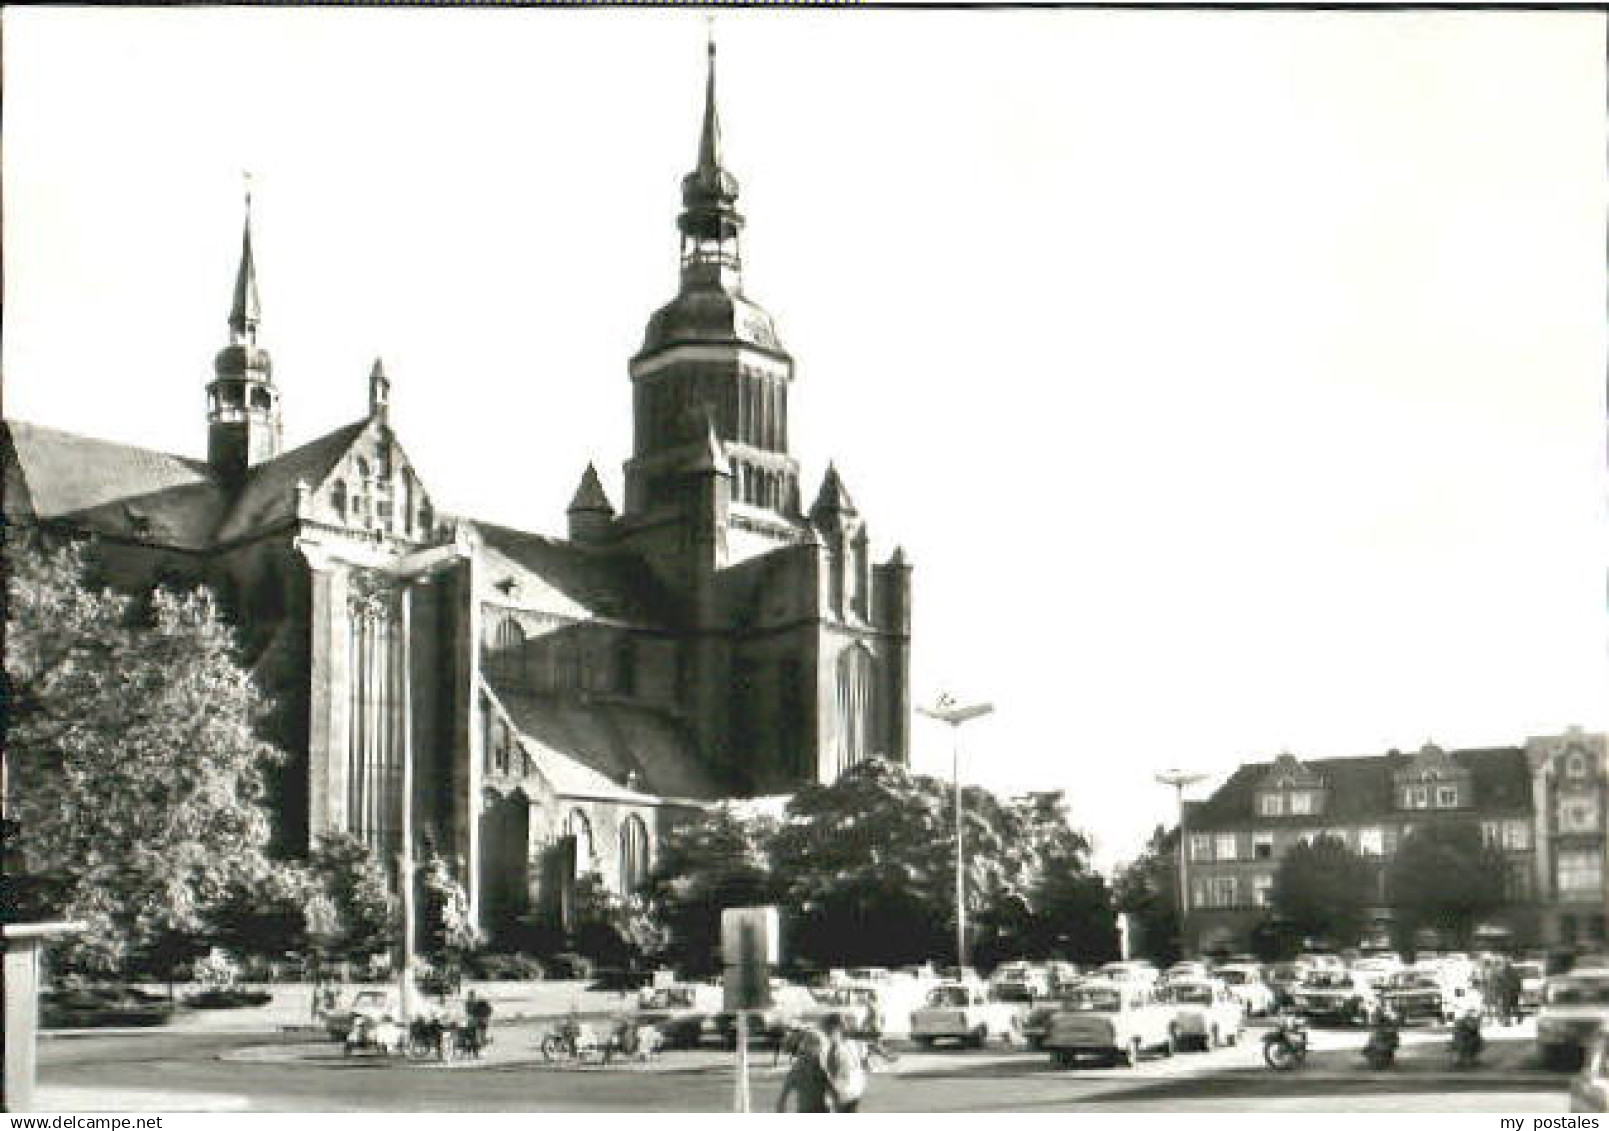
709	559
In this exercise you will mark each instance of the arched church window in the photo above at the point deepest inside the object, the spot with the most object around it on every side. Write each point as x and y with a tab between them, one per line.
578	828
382	459
363	469
1575	766
508	651
261	399
338	498
855	708
407	501
633	854
427	519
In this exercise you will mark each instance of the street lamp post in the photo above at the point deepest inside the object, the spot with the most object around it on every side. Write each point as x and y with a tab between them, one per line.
947	710
1179	779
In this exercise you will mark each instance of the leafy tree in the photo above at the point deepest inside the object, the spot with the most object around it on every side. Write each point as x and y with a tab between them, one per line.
611	930
1323	890
272	915
1444	876
449	932
1147	890
135	767
362	917
718	861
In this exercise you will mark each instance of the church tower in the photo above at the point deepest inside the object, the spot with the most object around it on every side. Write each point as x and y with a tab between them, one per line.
243	425
713	371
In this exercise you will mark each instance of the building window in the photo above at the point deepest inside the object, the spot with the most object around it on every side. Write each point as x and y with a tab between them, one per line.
1416	797
1578	815
1517	836
1223	891
626	666
1262	846
1575	766
338	497
567	664
1580	874
1226	846
1271	805
1517	882
427	519
1198	894
1200	846
633	854
1372	841
508	652
1492	834
578	827
1263	889
1301	803
1446	797
856	709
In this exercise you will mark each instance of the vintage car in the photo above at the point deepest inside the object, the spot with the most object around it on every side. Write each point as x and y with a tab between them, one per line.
1379	969
366	1006
964	1011
1205	1014
1245	982
856	1005
789	1003
1118	1021
1283	978
1036	1022
1186	971
1061	975
1574	1009
1142	973
1416	995
678	1011
1330	994
1019	981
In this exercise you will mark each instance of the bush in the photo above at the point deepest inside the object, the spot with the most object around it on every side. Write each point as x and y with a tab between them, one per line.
571	966
227	999
506	968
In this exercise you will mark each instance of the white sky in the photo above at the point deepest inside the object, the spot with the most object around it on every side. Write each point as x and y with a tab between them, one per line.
1234	380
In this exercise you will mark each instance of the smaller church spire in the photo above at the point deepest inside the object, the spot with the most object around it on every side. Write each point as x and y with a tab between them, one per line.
709	139
591	513
833	498
246	311
379	391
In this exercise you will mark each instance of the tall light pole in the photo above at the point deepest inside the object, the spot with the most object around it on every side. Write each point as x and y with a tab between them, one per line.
947	710
1179	779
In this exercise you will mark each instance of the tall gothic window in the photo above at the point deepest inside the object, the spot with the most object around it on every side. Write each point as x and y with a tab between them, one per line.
633	854
508	652
567	664
577	826
338	497
625	665
855	703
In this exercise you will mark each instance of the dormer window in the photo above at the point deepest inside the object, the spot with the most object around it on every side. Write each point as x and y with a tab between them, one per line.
1301	802
1416	797
1271	805
1575	766
1446	797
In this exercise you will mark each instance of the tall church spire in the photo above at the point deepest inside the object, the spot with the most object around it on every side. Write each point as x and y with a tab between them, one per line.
243	423
710	221
246	311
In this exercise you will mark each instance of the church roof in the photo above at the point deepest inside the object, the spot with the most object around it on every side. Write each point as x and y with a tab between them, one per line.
1360	788
111	488
157	497
577	580
703	315
268	495
592	749
590	495
833	496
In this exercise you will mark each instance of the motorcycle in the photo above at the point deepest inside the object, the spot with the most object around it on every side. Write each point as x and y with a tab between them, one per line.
1384	1039
1467	1041
1285	1045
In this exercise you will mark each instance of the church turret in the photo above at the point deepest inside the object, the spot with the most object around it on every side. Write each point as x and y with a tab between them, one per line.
243	422
379	392
591	514
712	354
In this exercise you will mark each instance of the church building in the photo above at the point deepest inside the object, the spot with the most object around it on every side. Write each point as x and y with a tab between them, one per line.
545	707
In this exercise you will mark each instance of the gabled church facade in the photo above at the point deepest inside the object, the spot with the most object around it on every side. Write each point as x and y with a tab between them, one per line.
545	707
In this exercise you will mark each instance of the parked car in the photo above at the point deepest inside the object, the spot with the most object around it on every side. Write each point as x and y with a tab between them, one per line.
1332	994
1245	982
1020	981
1118	1021
855	1004
94	1007
368	1005
766	1026
1140	972
1283	979
1379	969
1415	995
1061	975
1205	1013
1574	1008
1186	971
1589	1090
963	1011
1036	1022
678	1011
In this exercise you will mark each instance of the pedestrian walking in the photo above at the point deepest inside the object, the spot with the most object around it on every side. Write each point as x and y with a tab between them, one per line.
806	1081
848	1066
